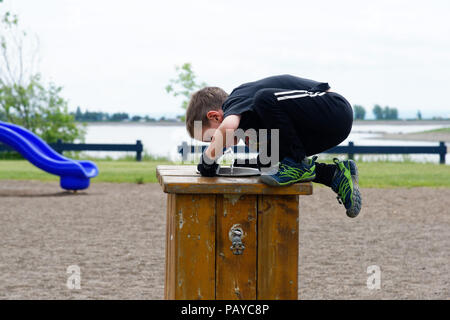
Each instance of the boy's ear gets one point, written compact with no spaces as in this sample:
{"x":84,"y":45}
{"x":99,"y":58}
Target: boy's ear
{"x":215,"y":115}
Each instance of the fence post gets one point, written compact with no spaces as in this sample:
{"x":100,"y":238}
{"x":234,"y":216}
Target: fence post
{"x":442,"y":152}
{"x":185,"y":150}
{"x":59,"y":147}
{"x":351,"y":151}
{"x":139,"y":149}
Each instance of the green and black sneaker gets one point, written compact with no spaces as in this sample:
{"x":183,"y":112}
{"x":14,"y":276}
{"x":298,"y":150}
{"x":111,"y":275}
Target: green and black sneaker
{"x":345,"y":184}
{"x":290,"y":172}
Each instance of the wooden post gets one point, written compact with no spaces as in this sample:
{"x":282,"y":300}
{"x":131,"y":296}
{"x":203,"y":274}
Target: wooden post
{"x":139,"y":149}
{"x":351,"y":151}
{"x":443,"y":151}
{"x":184,"y":151}
{"x":58,"y":146}
{"x":230,"y":238}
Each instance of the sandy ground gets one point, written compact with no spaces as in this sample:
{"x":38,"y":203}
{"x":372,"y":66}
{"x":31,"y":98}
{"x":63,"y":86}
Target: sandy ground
{"x":115,"y":234}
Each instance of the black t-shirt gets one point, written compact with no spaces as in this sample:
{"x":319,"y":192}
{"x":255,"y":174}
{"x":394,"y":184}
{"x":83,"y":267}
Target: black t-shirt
{"x":240,"y":101}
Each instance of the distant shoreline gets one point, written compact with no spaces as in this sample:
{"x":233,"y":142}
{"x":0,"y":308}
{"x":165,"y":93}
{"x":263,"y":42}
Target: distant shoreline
{"x":356,"y":122}
{"x":133,"y":123}
{"x":401,"y":122}
{"x":417,"y":136}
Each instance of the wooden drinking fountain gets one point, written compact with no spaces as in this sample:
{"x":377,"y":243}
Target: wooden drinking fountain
{"x":230,"y":237}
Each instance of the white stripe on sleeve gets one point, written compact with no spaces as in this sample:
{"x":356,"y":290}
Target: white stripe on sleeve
{"x":307,"y":94}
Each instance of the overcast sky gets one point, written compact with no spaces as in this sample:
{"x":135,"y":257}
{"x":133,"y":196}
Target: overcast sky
{"x":119,"y":55}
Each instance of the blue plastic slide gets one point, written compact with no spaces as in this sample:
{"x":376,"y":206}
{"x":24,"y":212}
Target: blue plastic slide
{"x":75,"y":175}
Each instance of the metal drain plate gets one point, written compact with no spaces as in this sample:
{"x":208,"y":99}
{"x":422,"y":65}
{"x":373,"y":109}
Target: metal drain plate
{"x":237,"y":172}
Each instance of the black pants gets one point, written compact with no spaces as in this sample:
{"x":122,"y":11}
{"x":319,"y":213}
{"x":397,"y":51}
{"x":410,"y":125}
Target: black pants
{"x":308,"y":122}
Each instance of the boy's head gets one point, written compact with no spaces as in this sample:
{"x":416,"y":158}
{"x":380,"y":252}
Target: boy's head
{"x":205,"y":106}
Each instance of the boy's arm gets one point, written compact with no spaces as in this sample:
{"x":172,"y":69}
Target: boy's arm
{"x":219,"y":140}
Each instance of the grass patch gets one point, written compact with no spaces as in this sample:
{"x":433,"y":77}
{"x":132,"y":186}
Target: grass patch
{"x":79,"y":155}
{"x":440,"y":130}
{"x":403,"y":174}
{"x":382,"y":174}
{"x":110,"y":171}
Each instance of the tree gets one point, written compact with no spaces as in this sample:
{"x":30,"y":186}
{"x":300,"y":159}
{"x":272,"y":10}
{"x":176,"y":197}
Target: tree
{"x":419,"y":115}
{"x":120,"y":116}
{"x":2,"y":115}
{"x":393,"y":114}
{"x":359,"y":112}
{"x":78,"y":114}
{"x":24,"y":98}
{"x":149,"y":119}
{"x":378,"y":112}
{"x":390,"y":113}
{"x":385,"y":113}
{"x":184,"y":84}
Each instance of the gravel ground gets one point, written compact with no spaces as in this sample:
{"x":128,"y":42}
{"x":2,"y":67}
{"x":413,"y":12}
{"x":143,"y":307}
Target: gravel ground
{"x":115,"y":234}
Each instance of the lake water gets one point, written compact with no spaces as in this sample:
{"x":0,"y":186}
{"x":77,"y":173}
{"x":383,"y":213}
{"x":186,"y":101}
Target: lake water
{"x":163,"y":140}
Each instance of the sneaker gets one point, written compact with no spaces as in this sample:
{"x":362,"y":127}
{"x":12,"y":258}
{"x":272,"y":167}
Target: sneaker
{"x":345,"y":184}
{"x":290,"y":172}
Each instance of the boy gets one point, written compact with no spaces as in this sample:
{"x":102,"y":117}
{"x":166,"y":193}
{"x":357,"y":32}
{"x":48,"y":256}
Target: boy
{"x":310,"y":119}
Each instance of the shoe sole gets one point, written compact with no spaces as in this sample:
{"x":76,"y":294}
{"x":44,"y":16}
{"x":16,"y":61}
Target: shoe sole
{"x":354,"y":210}
{"x":267,"y":179}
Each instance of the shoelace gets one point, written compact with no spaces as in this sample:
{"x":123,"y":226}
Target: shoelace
{"x":291,"y":172}
{"x":344,"y":189}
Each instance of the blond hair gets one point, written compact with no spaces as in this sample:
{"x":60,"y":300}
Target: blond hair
{"x":202,"y":101}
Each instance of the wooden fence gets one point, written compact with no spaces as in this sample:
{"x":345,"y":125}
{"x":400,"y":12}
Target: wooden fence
{"x":351,"y":149}
{"x":60,"y":147}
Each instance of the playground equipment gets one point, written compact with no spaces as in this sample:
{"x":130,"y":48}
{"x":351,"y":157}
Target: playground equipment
{"x":74,"y":175}
{"x":230,"y":237}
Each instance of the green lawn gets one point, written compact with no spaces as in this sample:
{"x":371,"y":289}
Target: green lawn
{"x":403,"y":174}
{"x":110,"y":171}
{"x":372,"y":174}
{"x":440,"y":130}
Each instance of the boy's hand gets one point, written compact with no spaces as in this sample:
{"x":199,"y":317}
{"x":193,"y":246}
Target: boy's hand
{"x":207,"y":167}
